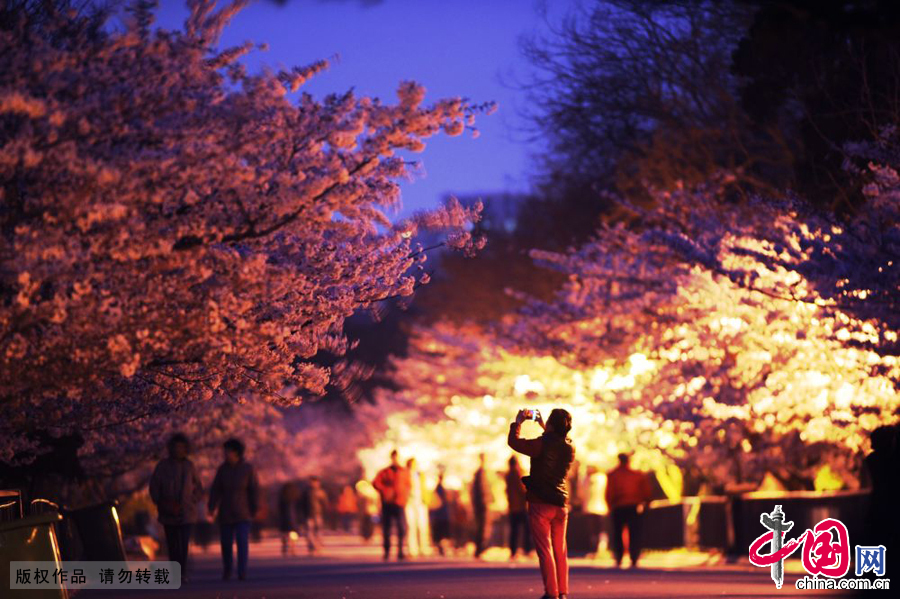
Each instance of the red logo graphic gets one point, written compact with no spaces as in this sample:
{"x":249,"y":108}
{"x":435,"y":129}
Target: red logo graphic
{"x":826,"y":549}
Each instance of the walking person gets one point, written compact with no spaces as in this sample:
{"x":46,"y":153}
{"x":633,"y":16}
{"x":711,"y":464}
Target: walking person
{"x":440,"y":516}
{"x":628,"y":496}
{"x":347,"y":508}
{"x":416,"y":512}
{"x":881,"y":525}
{"x":367,"y":504}
{"x":480,"y":493}
{"x":175,"y":489}
{"x":234,"y":498}
{"x":392,"y":485}
{"x":316,"y":501}
{"x":518,"y":509}
{"x":288,"y":497}
{"x":594,"y":500}
{"x":548,"y":514}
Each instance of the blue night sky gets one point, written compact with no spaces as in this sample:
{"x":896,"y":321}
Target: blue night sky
{"x":453,"y":47}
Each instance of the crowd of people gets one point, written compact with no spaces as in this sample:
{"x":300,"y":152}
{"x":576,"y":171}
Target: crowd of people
{"x":538,"y":504}
{"x":416,"y":519}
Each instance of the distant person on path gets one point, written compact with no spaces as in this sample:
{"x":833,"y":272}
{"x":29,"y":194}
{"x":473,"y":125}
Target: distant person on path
{"x":367,"y":503}
{"x":518,"y":509}
{"x":440,"y":515}
{"x":880,"y":473}
{"x":234,"y":497}
{"x":459,"y":520}
{"x":548,"y":514}
{"x":416,"y":512}
{"x":393,"y":484}
{"x":594,"y":501}
{"x":175,"y":489}
{"x":628,"y":496}
{"x":316,"y":501}
{"x":480,"y":495}
{"x":347,"y":508}
{"x":288,"y":497}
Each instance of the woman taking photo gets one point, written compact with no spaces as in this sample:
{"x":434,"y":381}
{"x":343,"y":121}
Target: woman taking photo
{"x":548,"y":514}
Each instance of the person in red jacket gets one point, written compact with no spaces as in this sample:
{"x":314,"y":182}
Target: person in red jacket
{"x":628,"y":495}
{"x":393,"y":484}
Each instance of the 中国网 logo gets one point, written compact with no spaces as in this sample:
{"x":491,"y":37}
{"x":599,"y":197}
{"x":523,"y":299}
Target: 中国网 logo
{"x":825,"y":552}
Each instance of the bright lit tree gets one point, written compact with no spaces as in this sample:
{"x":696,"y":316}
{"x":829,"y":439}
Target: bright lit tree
{"x":734,"y":340}
{"x":460,"y":389}
{"x":770,"y":328}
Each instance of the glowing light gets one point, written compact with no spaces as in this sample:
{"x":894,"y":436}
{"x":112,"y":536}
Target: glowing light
{"x":828,"y":480}
{"x":525,"y":385}
{"x":639,"y":364}
{"x":844,"y":396}
{"x":598,"y":379}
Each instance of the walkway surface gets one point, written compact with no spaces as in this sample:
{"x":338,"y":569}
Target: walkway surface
{"x":348,"y":569}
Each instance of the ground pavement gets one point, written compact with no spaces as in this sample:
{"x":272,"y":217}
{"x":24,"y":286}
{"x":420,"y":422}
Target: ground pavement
{"x":348,"y":569}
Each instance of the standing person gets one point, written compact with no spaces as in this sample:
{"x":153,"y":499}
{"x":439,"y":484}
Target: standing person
{"x":234,"y":497}
{"x":440,"y":515}
{"x":594,"y":501}
{"x":518,"y":510}
{"x":288,"y":498}
{"x":316,"y":501}
{"x":416,"y":512}
{"x":459,"y":520}
{"x":880,"y":475}
{"x":628,"y":496}
{"x":347,"y":507}
{"x":480,"y":493}
{"x":175,"y":489}
{"x":393,"y":484}
{"x":548,"y":515}
{"x":367,"y":504}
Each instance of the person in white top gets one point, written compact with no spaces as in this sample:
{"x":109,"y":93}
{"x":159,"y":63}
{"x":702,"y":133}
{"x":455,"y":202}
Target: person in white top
{"x":417,"y":513}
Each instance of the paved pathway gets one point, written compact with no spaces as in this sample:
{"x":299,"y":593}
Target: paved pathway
{"x":351,"y":570}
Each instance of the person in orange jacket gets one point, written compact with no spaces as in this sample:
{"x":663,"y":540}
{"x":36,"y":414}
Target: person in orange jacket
{"x":393,"y":484}
{"x":628,"y":495}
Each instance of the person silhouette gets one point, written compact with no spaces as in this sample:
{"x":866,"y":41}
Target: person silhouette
{"x":393,"y":484}
{"x":628,"y":495}
{"x":880,"y":474}
{"x":547,"y":494}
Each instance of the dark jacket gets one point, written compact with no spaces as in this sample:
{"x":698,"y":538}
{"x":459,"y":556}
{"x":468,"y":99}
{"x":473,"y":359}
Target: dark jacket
{"x":551,"y":455}
{"x":175,"y":489}
{"x":235,"y":491}
{"x":515,"y":491}
{"x":479,"y":491}
{"x":288,"y":500}
{"x":315,"y":502}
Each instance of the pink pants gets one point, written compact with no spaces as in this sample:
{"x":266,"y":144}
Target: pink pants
{"x":548,"y":528}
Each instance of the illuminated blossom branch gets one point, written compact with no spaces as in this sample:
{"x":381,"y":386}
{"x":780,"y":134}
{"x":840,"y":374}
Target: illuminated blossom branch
{"x":177,"y":229}
{"x":733,"y":340}
{"x":770,"y":331}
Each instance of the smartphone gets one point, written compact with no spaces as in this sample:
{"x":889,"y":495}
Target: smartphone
{"x":532,"y":414}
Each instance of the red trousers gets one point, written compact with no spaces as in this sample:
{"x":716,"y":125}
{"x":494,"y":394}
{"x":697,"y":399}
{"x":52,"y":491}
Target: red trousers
{"x":548,"y":528}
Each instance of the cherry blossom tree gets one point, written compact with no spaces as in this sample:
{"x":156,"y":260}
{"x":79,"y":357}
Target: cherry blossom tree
{"x":770,"y":328}
{"x":734,"y":340}
{"x":175,"y":229}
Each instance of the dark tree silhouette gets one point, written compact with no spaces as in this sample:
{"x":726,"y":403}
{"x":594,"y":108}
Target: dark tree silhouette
{"x":631,"y":93}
